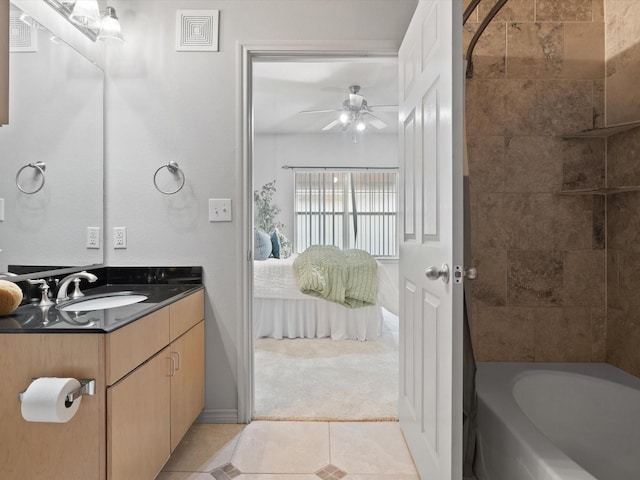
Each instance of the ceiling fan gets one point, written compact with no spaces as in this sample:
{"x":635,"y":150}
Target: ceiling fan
{"x":355,"y":112}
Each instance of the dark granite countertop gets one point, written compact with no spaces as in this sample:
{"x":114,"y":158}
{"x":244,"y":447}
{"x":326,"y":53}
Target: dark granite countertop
{"x":34,"y":319}
{"x":161,"y":285}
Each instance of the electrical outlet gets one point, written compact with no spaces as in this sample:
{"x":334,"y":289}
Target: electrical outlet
{"x":119,"y":237}
{"x":219,"y":209}
{"x":93,"y":237}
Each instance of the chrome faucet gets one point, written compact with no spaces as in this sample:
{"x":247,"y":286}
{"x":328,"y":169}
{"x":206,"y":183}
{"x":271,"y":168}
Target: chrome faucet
{"x":74,"y":277}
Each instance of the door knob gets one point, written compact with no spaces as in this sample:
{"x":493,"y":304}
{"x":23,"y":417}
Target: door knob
{"x":435,"y":273}
{"x":460,"y":273}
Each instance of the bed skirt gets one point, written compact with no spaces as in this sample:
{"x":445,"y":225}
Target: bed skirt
{"x":314,"y":318}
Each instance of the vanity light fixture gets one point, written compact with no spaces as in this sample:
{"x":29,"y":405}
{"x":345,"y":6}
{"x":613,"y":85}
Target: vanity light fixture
{"x":86,"y":13}
{"x":85,"y":16}
{"x":110,"y":26}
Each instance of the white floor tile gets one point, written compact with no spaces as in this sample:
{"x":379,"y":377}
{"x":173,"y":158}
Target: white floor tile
{"x":370,"y":448}
{"x":382,"y":477}
{"x":282,"y":447}
{"x":183,"y":476}
{"x":204,"y":448}
{"x":279,"y":476}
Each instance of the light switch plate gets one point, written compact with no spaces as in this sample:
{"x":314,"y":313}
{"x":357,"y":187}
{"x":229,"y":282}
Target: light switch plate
{"x":1,"y":209}
{"x":219,"y":209}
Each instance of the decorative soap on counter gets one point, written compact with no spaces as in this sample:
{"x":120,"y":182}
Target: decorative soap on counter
{"x":10,"y":297}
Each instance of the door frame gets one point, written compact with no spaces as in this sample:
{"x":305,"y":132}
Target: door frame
{"x":247,"y":53}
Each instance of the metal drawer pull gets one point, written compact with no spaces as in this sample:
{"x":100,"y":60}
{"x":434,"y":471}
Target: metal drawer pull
{"x":173,"y":366}
{"x":179,"y":360}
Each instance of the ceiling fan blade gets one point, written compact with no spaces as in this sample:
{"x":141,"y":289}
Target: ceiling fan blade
{"x":375,"y":121}
{"x":384,"y":108}
{"x":319,"y":111}
{"x":331,"y":125}
{"x":355,"y":100}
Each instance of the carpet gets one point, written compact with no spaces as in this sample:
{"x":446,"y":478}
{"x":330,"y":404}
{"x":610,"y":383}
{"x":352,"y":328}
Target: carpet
{"x":328,"y":380}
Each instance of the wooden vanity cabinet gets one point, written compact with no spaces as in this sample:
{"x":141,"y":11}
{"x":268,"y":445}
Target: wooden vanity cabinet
{"x":4,"y":62}
{"x":149,"y":389}
{"x":151,"y":407}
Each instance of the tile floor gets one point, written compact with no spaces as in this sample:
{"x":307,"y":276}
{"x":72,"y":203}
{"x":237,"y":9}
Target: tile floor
{"x":292,"y":451}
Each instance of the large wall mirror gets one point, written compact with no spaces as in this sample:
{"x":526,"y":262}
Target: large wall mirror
{"x":51,"y":188}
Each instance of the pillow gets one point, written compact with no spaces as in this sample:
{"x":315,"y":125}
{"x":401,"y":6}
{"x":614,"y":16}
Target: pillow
{"x":280,"y":245}
{"x":261,"y":245}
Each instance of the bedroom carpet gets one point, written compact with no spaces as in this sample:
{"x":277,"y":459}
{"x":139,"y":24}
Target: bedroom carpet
{"x":328,"y":380}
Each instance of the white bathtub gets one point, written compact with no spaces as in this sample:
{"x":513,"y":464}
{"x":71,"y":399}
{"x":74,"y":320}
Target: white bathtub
{"x":557,"y":421}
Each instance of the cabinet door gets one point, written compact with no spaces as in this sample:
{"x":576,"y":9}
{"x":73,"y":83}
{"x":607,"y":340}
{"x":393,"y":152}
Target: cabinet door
{"x":187,"y":385}
{"x":138,"y":428}
{"x":4,"y":62}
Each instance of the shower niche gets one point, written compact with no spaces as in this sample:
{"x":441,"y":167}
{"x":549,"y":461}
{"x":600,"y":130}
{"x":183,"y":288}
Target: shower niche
{"x":617,"y":172}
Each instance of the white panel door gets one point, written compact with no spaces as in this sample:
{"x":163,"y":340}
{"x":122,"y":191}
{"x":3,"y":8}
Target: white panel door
{"x":431,"y":311}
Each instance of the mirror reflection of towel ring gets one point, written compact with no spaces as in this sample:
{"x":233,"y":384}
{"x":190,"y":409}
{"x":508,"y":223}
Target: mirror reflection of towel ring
{"x":173,"y":168}
{"x":40,"y":168}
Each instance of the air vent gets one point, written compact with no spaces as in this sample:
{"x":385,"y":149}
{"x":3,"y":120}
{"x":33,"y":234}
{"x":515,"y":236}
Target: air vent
{"x":197,"y":30}
{"x":22,"y":37}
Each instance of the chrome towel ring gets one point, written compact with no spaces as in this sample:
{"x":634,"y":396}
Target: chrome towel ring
{"x":40,"y":167}
{"x":174,"y":168}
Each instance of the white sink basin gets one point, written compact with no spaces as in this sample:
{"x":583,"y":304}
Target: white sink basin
{"x":101,"y":303}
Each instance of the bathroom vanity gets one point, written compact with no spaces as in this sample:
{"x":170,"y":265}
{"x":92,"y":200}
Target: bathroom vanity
{"x":148,"y":363}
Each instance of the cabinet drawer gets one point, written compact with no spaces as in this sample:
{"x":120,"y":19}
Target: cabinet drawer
{"x":131,"y":345}
{"x":186,"y":313}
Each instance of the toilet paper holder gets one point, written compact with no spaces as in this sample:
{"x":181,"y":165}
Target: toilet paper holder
{"x":87,"y":387}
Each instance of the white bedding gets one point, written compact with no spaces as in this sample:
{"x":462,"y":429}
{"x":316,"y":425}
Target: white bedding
{"x":281,"y":310}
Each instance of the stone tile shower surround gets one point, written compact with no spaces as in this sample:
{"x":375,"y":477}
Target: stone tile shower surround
{"x":623,"y":168}
{"x":539,"y":73}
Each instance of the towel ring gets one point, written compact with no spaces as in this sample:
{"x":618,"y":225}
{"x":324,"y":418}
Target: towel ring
{"x":40,"y":168}
{"x":173,"y":168}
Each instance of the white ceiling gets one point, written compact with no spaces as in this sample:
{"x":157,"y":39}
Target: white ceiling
{"x":282,"y":88}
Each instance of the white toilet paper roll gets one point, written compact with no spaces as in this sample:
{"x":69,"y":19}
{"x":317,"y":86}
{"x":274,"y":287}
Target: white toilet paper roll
{"x":44,"y":400}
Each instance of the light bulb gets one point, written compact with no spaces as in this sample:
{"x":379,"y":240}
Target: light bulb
{"x":360,"y":126}
{"x":344,"y":118}
{"x":110,"y":27}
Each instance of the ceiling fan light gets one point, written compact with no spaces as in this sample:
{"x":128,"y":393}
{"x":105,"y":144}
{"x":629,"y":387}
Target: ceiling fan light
{"x":344,"y":117}
{"x":360,"y":126}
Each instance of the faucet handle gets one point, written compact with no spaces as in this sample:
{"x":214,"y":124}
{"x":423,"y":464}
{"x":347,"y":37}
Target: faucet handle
{"x":76,"y":289}
{"x":45,"y":301}
{"x":44,"y":291}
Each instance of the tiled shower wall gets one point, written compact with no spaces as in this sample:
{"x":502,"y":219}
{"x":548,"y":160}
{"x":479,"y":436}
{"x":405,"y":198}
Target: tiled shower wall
{"x":541,"y":258}
{"x":623,"y":168}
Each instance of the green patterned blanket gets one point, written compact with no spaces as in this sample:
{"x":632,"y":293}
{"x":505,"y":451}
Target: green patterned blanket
{"x":347,"y":277}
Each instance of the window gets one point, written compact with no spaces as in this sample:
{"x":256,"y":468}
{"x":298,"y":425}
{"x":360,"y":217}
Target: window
{"x":347,"y":209}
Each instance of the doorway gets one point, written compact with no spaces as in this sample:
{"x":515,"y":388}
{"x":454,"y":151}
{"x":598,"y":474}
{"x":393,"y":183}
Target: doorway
{"x":317,"y":378}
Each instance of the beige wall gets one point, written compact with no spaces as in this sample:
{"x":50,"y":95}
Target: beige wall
{"x":539,"y":73}
{"x":623,"y":168}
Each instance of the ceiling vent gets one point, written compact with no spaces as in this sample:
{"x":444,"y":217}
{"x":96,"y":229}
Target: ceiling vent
{"x":22,"y":36}
{"x":197,"y":30}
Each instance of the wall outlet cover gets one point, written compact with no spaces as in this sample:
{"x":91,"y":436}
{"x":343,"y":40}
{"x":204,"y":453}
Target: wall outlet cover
{"x":119,"y":237}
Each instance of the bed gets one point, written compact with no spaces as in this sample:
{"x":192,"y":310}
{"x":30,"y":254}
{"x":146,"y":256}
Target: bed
{"x":281,"y":310}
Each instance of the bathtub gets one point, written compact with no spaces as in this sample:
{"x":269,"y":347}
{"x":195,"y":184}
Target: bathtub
{"x":557,"y":421}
